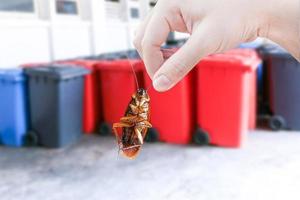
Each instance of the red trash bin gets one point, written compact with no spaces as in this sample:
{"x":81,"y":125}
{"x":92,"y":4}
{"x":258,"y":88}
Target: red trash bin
{"x":250,"y":53}
{"x":225,"y":85}
{"x":172,"y":112}
{"x":117,"y":86}
{"x":92,"y":98}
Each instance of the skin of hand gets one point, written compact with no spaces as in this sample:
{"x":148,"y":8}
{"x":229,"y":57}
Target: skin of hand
{"x":214,"y":27}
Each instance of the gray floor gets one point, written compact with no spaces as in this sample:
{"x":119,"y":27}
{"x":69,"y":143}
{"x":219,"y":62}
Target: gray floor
{"x":267,"y":167}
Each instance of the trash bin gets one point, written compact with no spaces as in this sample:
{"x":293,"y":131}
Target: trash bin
{"x":256,"y":84}
{"x":91,"y":99}
{"x":55,"y":94}
{"x":224,"y":88}
{"x":284,"y":94}
{"x":128,"y":54}
{"x":13,"y":107}
{"x":261,"y":108}
{"x":172,"y":112}
{"x":116,"y":88}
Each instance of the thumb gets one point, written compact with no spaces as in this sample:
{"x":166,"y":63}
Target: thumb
{"x":204,"y":40}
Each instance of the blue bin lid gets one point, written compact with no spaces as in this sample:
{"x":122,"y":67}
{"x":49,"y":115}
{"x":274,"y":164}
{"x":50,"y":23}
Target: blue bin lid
{"x":14,"y":75}
{"x":58,"y":71}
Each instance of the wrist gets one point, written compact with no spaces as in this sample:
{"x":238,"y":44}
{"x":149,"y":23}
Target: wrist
{"x":281,"y":24}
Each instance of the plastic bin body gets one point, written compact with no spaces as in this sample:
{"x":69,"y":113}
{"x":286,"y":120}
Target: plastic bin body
{"x":13,"y":107}
{"x":117,"y":86}
{"x":261,"y":109}
{"x":284,"y":93}
{"x":224,"y":96}
{"x":56,"y":104}
{"x":172,"y":112}
{"x":256,"y":83}
{"x":91,"y":97}
{"x":253,"y":80}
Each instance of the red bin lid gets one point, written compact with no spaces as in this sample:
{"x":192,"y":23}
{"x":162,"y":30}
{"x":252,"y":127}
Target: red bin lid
{"x":121,"y":65}
{"x":241,"y":59}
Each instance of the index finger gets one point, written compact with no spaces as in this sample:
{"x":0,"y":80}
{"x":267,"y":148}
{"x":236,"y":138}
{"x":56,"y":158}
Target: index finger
{"x":155,"y":35}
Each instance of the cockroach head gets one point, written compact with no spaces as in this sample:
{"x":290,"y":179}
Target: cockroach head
{"x":141,"y":93}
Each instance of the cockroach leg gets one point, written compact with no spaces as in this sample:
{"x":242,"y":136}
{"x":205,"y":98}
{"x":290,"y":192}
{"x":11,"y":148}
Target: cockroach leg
{"x":147,"y":124}
{"x":134,"y":108}
{"x":119,"y":125}
{"x":131,"y":147}
{"x":128,"y":119}
{"x":137,"y":102}
{"x":144,"y":101}
{"x":139,"y":135}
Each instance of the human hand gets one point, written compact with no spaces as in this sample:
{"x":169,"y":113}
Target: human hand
{"x":214,"y":26}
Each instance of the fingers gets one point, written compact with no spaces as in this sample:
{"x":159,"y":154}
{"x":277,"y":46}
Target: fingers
{"x":156,"y":34}
{"x":139,"y":34}
{"x":205,"y":40}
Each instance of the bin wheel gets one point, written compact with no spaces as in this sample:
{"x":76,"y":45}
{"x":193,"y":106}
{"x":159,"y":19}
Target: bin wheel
{"x":277,"y":123}
{"x":31,"y":139}
{"x":105,"y":129}
{"x":201,"y":137}
{"x":152,"y":135}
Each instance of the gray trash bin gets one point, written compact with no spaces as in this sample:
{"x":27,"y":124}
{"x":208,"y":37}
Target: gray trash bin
{"x":56,"y":94}
{"x":284,"y":88}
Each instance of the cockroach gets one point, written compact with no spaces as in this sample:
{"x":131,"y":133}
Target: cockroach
{"x":134,"y":124}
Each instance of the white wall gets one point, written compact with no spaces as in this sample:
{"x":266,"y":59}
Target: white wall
{"x":23,"y":41}
{"x":44,"y":35}
{"x":70,"y":39}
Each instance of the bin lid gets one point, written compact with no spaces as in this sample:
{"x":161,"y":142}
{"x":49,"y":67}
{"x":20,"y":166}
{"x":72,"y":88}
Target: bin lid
{"x":14,"y":75}
{"x":256,"y":44}
{"x":58,"y":71}
{"x":122,"y":65}
{"x":274,"y":51}
{"x":105,"y":56}
{"x":88,"y":64}
{"x":241,"y":59}
{"x":129,"y":54}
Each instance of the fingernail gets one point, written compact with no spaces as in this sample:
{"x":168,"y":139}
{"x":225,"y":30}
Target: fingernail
{"x":161,"y":83}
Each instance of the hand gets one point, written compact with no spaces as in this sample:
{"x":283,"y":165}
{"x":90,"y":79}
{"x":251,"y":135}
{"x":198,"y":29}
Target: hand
{"x":214,"y":26}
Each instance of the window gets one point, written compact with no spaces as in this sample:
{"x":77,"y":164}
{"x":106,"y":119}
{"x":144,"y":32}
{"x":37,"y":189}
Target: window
{"x":152,"y":3}
{"x":23,"y":6}
{"x":113,"y":0}
{"x":66,"y":7}
{"x":134,"y":13}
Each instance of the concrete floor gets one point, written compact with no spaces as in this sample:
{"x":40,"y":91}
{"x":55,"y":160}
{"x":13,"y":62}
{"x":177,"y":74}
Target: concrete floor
{"x":267,"y":167}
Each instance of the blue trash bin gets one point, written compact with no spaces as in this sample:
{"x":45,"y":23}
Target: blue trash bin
{"x":284,"y":83}
{"x":13,"y":107}
{"x":56,"y":103}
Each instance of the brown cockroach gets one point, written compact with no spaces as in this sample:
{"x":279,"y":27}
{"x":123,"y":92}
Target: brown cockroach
{"x":134,"y":124}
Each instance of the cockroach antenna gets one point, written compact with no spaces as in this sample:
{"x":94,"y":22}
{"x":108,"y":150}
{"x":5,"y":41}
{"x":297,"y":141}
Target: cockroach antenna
{"x":134,"y":73}
{"x":149,"y":87}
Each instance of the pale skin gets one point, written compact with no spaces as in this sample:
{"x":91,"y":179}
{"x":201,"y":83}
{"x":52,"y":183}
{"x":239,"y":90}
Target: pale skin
{"x":214,"y":27}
